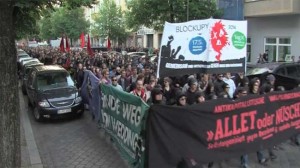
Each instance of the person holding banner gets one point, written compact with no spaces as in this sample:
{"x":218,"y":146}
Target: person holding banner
{"x":181,"y":99}
{"x":254,"y":89}
{"x":210,"y":92}
{"x":191,"y":92}
{"x":169,"y":91}
{"x":157,"y":95}
{"x":218,"y":84}
{"x":200,"y":97}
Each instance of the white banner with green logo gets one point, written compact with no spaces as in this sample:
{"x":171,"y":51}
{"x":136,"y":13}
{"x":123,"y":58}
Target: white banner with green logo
{"x":124,"y":118}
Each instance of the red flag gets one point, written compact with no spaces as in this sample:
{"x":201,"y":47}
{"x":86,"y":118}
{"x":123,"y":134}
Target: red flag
{"x":108,"y":44}
{"x":82,"y":40}
{"x":89,"y":49}
{"x":62,"y":45}
{"x":67,"y":45}
{"x":67,"y":64}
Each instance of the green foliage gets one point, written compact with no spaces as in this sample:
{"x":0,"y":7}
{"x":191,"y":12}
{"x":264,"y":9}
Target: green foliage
{"x":63,"y":21}
{"x":154,"y":13}
{"x":45,"y":27}
{"x":109,"y":21}
{"x":28,"y":12}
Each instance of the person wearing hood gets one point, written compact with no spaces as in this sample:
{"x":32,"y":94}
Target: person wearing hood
{"x":181,"y":99}
{"x":191,"y":92}
{"x":157,"y":95}
{"x":269,"y":84}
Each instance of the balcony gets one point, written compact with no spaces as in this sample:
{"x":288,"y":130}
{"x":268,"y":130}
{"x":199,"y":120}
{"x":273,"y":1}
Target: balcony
{"x":260,"y":8}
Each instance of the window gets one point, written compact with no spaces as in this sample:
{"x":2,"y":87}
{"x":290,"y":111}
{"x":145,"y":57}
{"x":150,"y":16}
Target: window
{"x":292,"y":71}
{"x":150,"y":40}
{"x":52,"y":80}
{"x":277,"y":48}
{"x":281,"y":71}
{"x":248,"y":49}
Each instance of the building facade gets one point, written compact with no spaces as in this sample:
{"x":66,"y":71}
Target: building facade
{"x":273,"y":27}
{"x":90,"y":12}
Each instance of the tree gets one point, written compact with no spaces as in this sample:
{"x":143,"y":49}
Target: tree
{"x":10,"y":13}
{"x":64,"y":21}
{"x":156,"y":12}
{"x":109,"y":21}
{"x":45,"y":27}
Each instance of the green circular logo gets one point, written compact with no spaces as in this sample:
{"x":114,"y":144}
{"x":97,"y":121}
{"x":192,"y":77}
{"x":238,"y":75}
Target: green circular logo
{"x":239,"y":40}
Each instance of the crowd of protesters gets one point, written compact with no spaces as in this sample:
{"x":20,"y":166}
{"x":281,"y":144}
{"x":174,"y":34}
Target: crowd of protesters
{"x":138,"y":76}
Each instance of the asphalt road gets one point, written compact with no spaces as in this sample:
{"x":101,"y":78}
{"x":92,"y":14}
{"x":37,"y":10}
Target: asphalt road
{"x":73,"y":142}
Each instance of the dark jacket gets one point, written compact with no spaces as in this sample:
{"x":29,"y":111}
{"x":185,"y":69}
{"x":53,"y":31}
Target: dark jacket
{"x":79,"y":77}
{"x":191,"y":97}
{"x":219,"y":86}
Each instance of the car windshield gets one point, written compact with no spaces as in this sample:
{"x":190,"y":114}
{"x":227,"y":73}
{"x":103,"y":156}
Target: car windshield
{"x":53,"y":80}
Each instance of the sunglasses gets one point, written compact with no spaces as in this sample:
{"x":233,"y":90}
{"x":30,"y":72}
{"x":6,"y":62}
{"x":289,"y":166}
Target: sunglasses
{"x":114,"y":79}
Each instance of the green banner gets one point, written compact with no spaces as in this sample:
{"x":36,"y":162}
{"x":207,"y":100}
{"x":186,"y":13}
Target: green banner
{"x":124,"y":117}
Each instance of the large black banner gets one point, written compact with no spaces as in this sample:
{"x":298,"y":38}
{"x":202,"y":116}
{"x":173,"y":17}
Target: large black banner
{"x":221,"y":129}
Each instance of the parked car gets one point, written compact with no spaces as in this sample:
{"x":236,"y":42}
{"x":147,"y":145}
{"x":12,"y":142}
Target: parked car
{"x":32,"y":60}
{"x":22,"y":57}
{"x":24,"y":75}
{"x":52,"y":93}
{"x":20,"y":51}
{"x":286,"y":74}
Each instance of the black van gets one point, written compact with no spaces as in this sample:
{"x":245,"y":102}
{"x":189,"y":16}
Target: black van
{"x":52,"y":92}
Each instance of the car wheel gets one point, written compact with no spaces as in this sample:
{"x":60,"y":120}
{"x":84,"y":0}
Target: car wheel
{"x":37,"y":116}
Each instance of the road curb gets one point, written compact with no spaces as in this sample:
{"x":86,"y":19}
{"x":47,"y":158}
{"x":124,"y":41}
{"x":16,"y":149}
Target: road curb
{"x":34,"y":155}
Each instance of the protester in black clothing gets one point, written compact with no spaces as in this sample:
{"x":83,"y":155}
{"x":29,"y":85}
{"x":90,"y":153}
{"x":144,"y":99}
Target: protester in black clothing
{"x":267,"y":86}
{"x":169,"y":91}
{"x":241,"y":80}
{"x":210,"y":92}
{"x":192,"y":90}
{"x":218,"y":84}
{"x":181,"y":99}
{"x":79,"y":76}
{"x":157,"y":95}
{"x":225,"y":92}
{"x":147,"y":74}
{"x":240,"y":92}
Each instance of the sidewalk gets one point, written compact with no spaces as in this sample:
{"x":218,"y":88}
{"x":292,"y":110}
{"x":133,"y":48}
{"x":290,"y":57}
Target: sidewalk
{"x":30,"y":157}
